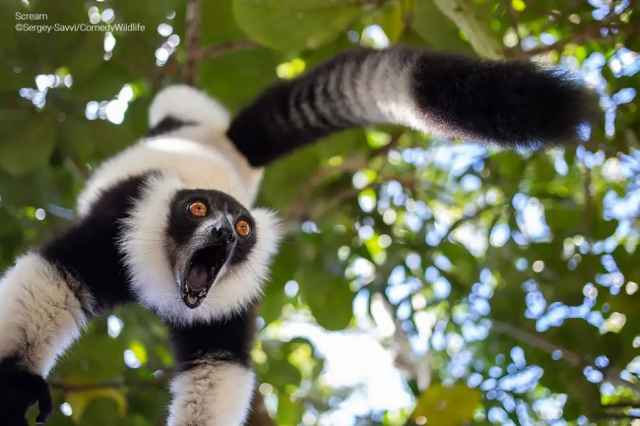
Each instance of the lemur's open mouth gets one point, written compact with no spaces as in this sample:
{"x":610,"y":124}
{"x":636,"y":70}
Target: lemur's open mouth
{"x":201,"y":272}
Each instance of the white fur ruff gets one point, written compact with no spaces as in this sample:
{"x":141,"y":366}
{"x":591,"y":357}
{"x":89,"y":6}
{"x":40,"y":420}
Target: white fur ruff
{"x":214,"y":393}
{"x":39,"y":314}
{"x":152,"y":277}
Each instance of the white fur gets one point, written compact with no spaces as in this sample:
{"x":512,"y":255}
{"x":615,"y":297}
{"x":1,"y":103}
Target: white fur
{"x":213,"y":393}
{"x":152,"y":278}
{"x":196,"y":164}
{"x":40,"y":316}
{"x":200,"y":155}
{"x":394,"y":101}
{"x":188,"y":104}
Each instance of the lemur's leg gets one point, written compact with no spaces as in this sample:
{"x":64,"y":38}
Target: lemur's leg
{"x":42,"y":312}
{"x":214,"y":384}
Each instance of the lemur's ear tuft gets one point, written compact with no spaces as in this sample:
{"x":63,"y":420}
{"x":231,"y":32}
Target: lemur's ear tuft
{"x":511,"y":103}
{"x":186,"y":104}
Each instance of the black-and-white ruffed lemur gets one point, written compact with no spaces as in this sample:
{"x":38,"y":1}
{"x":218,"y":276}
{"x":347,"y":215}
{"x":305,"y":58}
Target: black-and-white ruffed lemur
{"x":169,"y":222}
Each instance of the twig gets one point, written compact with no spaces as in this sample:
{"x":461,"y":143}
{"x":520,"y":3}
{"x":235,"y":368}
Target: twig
{"x":574,"y":359}
{"x":591,"y":31}
{"x":192,"y":40}
{"x":588,"y":201}
{"x":160,"y":377}
{"x":416,"y":366}
{"x":469,"y":217}
{"x":613,"y":416}
{"x":219,"y":49}
{"x":110,"y":384}
{"x":623,"y":404}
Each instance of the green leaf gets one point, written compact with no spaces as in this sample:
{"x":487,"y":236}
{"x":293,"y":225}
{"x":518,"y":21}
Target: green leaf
{"x":391,"y":19}
{"x":289,"y":411}
{"x":296,"y":170}
{"x":320,"y":290}
{"x":81,"y":400}
{"x":76,"y":141}
{"x":447,"y":406}
{"x":334,"y":293}
{"x":218,"y":23}
{"x":292,"y":25}
{"x":283,"y":269}
{"x":30,"y":148}
{"x":466,"y":17}
{"x":563,"y":218}
{"x":436,"y":29}
{"x":238,"y":77}
{"x":465,"y":266}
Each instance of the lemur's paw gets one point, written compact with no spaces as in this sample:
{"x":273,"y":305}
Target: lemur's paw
{"x":19,"y":390}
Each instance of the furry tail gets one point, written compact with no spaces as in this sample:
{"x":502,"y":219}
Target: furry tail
{"x":510,"y":103}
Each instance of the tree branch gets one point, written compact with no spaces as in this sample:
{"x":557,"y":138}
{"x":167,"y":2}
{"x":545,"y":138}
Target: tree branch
{"x":592,"y":31}
{"x":259,"y":415}
{"x":612,"y":374}
{"x":192,"y":40}
{"x":66,"y":387}
{"x":572,"y":358}
{"x":219,"y":49}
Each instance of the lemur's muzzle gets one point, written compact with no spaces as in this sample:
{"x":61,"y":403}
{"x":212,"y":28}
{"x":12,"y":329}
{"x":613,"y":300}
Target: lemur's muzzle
{"x":206,"y":263}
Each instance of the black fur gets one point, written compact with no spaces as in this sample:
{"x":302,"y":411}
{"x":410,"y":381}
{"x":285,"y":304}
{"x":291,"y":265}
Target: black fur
{"x":505,"y":102}
{"x":228,"y":339}
{"x":512,"y":103}
{"x":265,"y":130}
{"x":168,"y":124}
{"x":20,"y":389}
{"x":89,"y":250}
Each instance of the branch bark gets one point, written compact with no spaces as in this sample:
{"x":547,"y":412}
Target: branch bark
{"x":259,"y":415}
{"x":592,"y":31}
{"x":192,"y":40}
{"x":219,"y":49}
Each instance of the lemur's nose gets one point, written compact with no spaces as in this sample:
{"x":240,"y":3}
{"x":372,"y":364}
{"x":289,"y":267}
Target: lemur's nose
{"x":224,"y":235}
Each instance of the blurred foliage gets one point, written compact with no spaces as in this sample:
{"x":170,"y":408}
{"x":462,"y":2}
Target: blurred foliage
{"x":511,"y":278}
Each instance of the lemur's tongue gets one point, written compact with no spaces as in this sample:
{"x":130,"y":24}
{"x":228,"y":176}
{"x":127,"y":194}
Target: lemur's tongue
{"x":204,"y":267}
{"x":197,"y":284}
{"x":199,"y":277}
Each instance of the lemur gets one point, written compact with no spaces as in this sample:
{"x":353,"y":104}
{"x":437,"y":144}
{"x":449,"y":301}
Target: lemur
{"x":169,"y":223}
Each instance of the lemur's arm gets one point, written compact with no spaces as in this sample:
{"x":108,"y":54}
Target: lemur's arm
{"x":214,"y":384}
{"x":507,"y":102}
{"x":50,"y":294}
{"x":40,"y":315}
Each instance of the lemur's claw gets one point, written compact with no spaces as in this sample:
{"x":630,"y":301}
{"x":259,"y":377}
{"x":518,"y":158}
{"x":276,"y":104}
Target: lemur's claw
{"x":19,"y":390}
{"x":44,"y":403}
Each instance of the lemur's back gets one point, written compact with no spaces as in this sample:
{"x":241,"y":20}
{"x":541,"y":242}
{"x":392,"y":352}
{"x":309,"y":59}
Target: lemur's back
{"x":193,"y":147}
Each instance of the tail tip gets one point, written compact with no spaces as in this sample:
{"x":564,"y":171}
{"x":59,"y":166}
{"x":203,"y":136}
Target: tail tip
{"x":511,"y":103}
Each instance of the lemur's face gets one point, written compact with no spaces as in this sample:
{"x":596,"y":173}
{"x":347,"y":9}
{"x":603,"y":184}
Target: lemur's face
{"x":209,"y":233}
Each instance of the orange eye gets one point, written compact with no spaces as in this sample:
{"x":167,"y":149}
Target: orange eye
{"x":198,"y":209}
{"x":243,"y":228}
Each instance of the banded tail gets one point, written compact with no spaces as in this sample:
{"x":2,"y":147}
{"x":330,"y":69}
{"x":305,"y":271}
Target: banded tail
{"x":509,"y":103}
